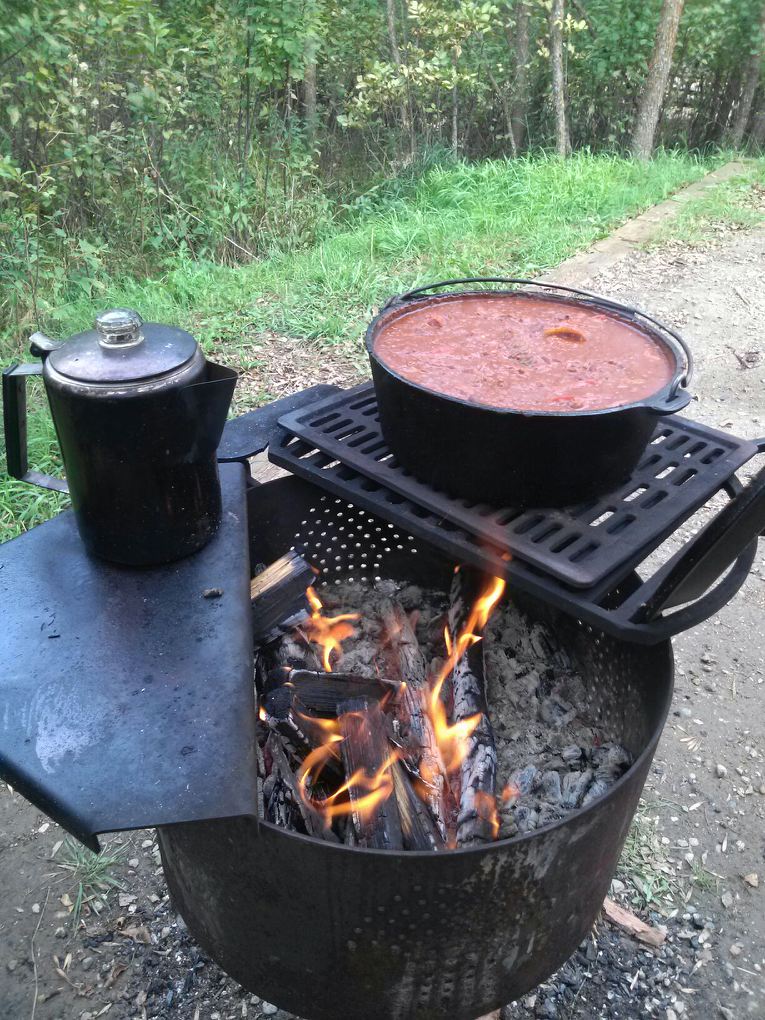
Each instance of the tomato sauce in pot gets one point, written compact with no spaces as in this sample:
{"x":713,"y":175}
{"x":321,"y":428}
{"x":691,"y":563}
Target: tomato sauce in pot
{"x":524,"y":353}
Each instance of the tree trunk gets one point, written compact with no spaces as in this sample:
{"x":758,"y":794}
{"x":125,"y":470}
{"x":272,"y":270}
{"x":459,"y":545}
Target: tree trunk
{"x":455,"y":109}
{"x":309,"y":94}
{"x":519,"y":109}
{"x":557,"y":15}
{"x":751,"y":81}
{"x":758,"y":120}
{"x":395,"y":52}
{"x":655,"y":85}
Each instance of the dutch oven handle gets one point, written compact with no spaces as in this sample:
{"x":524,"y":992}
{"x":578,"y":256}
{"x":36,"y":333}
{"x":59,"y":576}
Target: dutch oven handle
{"x":728,"y":541}
{"x":676,"y":397}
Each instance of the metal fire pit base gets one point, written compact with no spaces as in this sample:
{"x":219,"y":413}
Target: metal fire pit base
{"x":329,"y":931}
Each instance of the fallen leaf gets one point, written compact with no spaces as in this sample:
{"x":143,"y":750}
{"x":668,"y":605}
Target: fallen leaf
{"x":139,"y":933}
{"x":117,"y":969}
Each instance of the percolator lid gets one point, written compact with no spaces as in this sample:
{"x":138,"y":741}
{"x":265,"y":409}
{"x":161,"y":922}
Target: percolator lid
{"x":123,"y":349}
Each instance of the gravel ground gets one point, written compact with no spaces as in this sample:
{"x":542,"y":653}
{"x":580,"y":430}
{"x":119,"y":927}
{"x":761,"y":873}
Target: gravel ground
{"x":695,"y":861}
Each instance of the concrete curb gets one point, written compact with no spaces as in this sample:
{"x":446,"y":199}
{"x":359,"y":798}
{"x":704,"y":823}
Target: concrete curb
{"x":636,"y":232}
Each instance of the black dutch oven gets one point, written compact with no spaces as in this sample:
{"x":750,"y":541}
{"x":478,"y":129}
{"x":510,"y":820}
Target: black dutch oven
{"x":520,"y":458}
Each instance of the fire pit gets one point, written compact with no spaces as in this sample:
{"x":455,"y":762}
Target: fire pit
{"x":113,"y":719}
{"x":326,"y":930}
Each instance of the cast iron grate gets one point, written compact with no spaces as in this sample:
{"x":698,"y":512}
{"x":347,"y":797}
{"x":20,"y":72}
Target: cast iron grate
{"x":581,"y":546}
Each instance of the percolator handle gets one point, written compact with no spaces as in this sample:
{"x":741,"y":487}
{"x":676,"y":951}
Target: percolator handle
{"x":15,"y":428}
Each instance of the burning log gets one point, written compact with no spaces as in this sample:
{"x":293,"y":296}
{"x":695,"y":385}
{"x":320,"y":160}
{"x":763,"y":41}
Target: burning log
{"x":417,"y":826}
{"x":276,"y":713}
{"x":299,"y":733}
{"x":280,"y":806}
{"x":368,"y":760}
{"x":286,"y":796}
{"x":415,"y":728}
{"x":477,"y":821}
{"x":278,"y":596}
{"x":317,"y":691}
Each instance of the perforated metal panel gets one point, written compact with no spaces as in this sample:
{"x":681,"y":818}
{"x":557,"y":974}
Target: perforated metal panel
{"x":345,"y":542}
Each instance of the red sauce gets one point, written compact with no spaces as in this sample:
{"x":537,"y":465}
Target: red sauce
{"x":525,"y":353}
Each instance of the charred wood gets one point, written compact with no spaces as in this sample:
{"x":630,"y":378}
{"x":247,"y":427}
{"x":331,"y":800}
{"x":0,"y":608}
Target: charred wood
{"x":418,"y":829}
{"x":365,"y":748}
{"x":320,"y":692}
{"x":298,"y":732}
{"x":312,"y":820}
{"x":406,"y":663}
{"x":478,"y":770}
{"x":278,"y":595}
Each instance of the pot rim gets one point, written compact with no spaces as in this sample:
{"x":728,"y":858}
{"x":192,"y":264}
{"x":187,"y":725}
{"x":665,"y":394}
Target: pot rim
{"x":671,"y":397}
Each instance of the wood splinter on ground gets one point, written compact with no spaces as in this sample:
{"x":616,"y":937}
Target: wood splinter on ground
{"x":630,"y":923}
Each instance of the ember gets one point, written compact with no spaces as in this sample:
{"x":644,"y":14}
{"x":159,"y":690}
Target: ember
{"x":439,"y":697}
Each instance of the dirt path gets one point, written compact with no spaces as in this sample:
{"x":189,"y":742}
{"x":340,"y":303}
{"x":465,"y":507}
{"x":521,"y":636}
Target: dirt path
{"x":700,"y":833}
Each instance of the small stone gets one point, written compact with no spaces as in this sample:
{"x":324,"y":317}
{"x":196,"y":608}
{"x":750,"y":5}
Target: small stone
{"x":547,"y":1010}
{"x":752,"y":879}
{"x":125,"y":899}
{"x":721,"y":771}
{"x":11,"y":965}
{"x":671,"y":1014}
{"x":762,"y":788}
{"x":35,"y":908}
{"x":87,"y":963}
{"x":736,"y":949}
{"x":147,"y":843}
{"x":212,"y":593}
{"x":727,"y":899}
{"x":268,"y":1008}
{"x":727,"y":1014}
{"x":698,"y":922}
{"x":617,"y":886}
{"x":133,"y":862}
{"x":60,"y":933}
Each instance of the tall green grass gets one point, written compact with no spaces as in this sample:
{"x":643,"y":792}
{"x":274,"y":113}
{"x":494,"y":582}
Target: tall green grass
{"x":500,"y":217}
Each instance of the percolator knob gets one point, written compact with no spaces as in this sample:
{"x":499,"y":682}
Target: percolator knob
{"x":119,"y":327}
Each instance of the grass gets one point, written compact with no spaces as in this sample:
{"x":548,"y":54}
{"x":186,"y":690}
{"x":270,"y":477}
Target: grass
{"x":737,"y":204}
{"x":643,"y":865}
{"x":91,"y":873}
{"x":499,"y":217}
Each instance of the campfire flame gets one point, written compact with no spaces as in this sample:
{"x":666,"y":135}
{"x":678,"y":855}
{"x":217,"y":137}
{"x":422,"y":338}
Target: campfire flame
{"x":360,"y":794}
{"x":486,"y":805}
{"x":452,"y":738}
{"x":328,"y":632}
{"x":363,"y":792}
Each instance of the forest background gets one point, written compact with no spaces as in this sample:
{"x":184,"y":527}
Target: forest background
{"x":240,"y":165}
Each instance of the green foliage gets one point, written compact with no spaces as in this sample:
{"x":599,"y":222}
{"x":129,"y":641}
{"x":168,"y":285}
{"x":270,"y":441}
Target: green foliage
{"x":220,"y":149}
